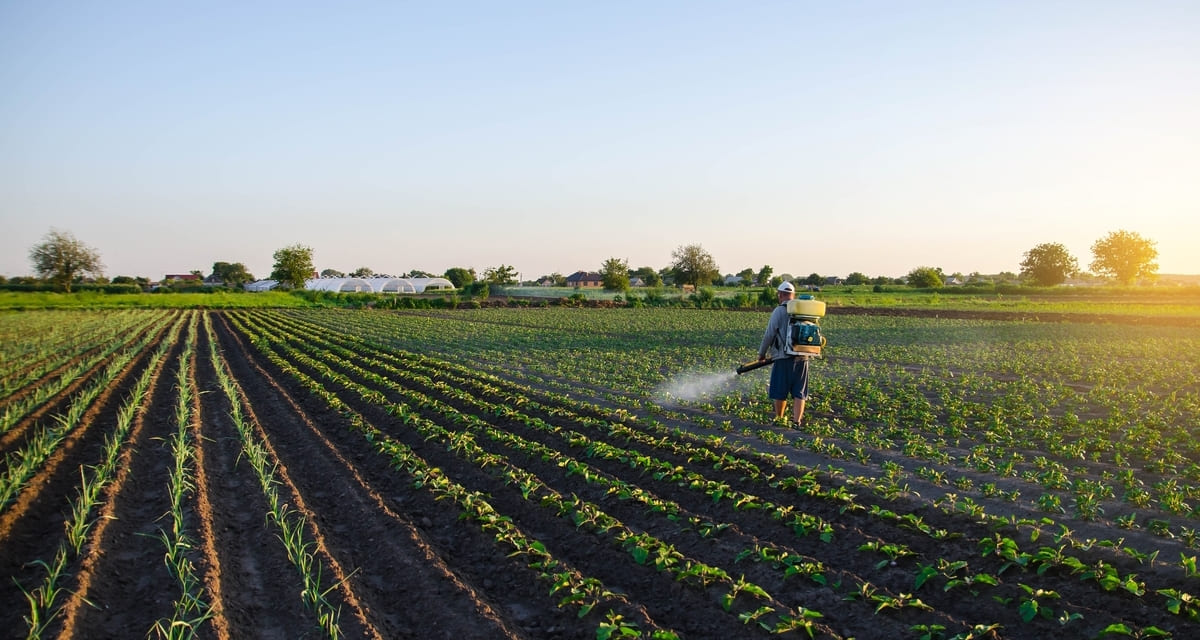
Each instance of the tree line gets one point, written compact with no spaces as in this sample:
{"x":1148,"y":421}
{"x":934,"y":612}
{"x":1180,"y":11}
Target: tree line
{"x":1123,"y":256}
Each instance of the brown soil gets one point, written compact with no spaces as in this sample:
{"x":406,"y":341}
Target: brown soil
{"x":399,"y":563}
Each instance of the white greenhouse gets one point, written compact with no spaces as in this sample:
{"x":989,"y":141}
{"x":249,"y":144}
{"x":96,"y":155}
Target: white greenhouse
{"x":431,"y":284}
{"x":260,"y":285}
{"x":391,"y":285}
{"x":342,"y":285}
{"x":364,"y":285}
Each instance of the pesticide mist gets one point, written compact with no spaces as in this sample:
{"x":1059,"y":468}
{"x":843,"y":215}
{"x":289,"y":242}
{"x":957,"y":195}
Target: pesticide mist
{"x":694,"y":386}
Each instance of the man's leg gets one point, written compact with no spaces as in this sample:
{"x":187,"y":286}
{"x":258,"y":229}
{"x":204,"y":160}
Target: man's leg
{"x":798,"y":410}
{"x":799,"y":389}
{"x":780,"y":408}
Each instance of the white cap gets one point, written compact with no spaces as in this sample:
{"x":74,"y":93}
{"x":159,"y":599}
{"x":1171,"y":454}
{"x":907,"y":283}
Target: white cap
{"x":787,"y":286}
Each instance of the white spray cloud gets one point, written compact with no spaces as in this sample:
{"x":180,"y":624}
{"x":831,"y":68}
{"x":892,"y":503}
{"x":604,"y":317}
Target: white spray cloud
{"x":695,"y":386}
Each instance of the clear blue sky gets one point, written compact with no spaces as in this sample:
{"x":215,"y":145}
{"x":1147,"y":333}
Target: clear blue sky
{"x":823,"y":137}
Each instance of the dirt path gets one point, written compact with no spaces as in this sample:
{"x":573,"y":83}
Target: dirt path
{"x":371,"y":519}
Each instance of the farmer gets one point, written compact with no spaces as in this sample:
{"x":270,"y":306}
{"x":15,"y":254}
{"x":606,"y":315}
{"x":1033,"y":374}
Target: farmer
{"x":789,"y":374}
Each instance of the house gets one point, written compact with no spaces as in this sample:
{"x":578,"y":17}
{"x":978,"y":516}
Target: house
{"x":546,"y":282}
{"x":636,"y":282}
{"x":181,"y":277}
{"x":585,"y":279}
{"x":732,"y":281}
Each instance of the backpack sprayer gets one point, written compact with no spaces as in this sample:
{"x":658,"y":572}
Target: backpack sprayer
{"x":804,"y":332}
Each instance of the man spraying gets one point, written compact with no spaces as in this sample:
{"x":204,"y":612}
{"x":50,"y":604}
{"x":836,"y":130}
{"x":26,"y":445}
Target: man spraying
{"x":789,"y":373}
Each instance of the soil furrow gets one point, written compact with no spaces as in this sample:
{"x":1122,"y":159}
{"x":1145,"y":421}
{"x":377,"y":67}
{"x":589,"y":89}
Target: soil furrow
{"x":378,"y":523}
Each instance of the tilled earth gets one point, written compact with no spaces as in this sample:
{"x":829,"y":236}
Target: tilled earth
{"x":395,"y":561}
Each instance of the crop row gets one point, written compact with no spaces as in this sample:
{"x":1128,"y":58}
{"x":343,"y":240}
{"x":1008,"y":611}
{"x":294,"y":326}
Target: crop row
{"x":1009,"y":555}
{"x":1026,"y":412}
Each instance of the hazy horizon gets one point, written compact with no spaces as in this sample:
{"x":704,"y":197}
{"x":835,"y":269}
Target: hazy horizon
{"x":829,"y":138}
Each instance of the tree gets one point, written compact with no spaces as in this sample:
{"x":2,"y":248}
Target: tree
{"x":362,"y":272}
{"x":1124,"y":255}
{"x":417,"y":273}
{"x":332,"y":273}
{"x":60,"y":258}
{"x":233,"y":274}
{"x":1049,"y":264}
{"x":615,"y":274}
{"x":460,"y":277}
{"x":502,"y":275}
{"x":857,"y":277}
{"x":814,"y":279}
{"x":649,"y":276}
{"x":293,"y":265}
{"x":746,"y":275}
{"x":693,"y":265}
{"x":764,"y":275}
{"x":925,"y":278}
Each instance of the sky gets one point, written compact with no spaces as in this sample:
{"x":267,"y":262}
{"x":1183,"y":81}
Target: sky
{"x":814,"y":137}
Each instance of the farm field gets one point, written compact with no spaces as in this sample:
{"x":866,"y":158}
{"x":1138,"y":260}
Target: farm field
{"x":592,"y":473}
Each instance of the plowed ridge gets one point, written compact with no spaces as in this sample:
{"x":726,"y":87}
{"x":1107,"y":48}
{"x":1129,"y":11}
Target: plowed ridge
{"x":272,"y":479}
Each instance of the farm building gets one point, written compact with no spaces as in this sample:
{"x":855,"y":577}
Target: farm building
{"x":585,"y":279}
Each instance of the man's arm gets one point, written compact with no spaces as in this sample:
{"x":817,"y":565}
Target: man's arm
{"x":770,"y":334}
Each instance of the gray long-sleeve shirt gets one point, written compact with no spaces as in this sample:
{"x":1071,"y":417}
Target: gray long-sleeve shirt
{"x":775,"y":338}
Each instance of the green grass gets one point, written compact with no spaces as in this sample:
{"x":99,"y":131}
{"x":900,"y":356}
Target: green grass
{"x":1158,"y":301}
{"x":20,"y":300}
{"x":1147,"y":301}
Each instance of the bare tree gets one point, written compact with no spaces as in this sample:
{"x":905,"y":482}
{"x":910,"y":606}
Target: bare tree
{"x":60,"y":258}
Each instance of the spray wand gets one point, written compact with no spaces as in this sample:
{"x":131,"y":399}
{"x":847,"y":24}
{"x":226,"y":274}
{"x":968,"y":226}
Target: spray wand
{"x":752,"y":365}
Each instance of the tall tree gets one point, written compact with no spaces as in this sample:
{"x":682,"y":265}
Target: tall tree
{"x":614,"y":273}
{"x":925,"y":278}
{"x":233,"y":274}
{"x":362,"y":272}
{"x":460,"y":277}
{"x":814,"y":279}
{"x":764,"y":275}
{"x":60,"y":258}
{"x":649,"y":276}
{"x":293,"y":265}
{"x":747,"y":276}
{"x":693,"y":265}
{"x":502,"y":275}
{"x":1124,"y":255}
{"x":857,"y":277}
{"x":332,"y":273}
{"x":1049,"y":264}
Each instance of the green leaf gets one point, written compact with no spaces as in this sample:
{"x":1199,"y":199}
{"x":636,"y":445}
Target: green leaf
{"x":1028,"y":610}
{"x":923,"y":574}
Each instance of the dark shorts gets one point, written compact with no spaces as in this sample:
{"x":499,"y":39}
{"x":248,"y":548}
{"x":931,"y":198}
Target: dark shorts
{"x":789,"y":376}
